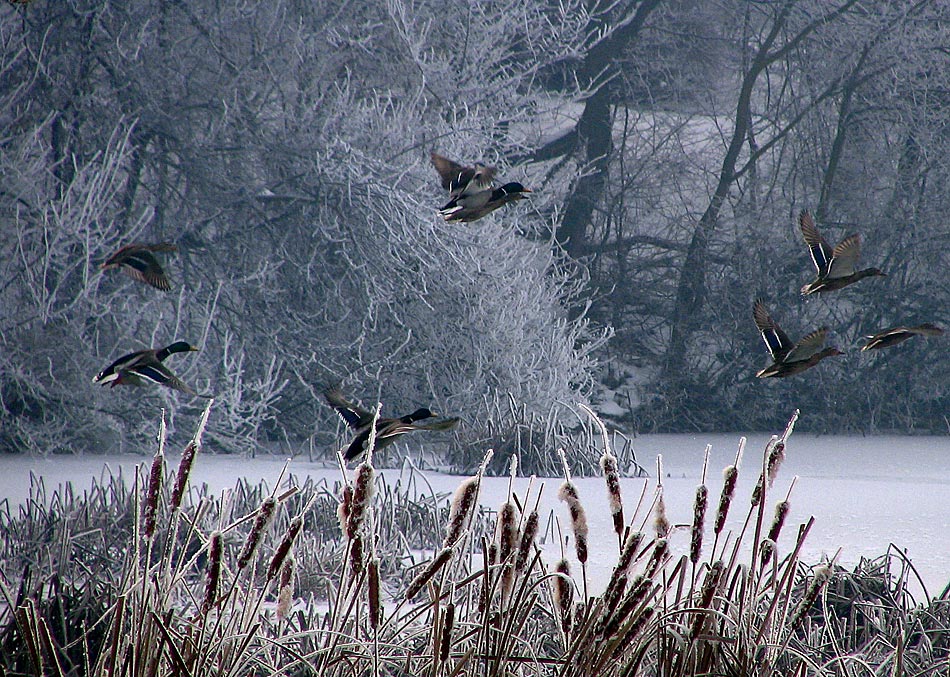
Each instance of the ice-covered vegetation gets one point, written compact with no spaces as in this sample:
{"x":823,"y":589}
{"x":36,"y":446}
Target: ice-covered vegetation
{"x":156,"y":577}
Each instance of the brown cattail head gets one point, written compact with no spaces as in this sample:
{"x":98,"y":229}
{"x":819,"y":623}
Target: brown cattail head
{"x":608,"y":463}
{"x":710,"y":585}
{"x":285,"y":589}
{"x":439,"y":561}
{"x":776,"y":456}
{"x":283,"y":550}
{"x":822,"y":576}
{"x":345,"y":506}
{"x":766,"y":550}
{"x":639,"y":587}
{"x":527,"y":540}
{"x":363,"y":489}
{"x":181,"y":477}
{"x":781,"y":512}
{"x":154,"y":488}
{"x":729,"y":476}
{"x":212,"y":573}
{"x":357,"y":556}
{"x":372,"y":591}
{"x":562,"y":589}
{"x":660,"y":549}
{"x":630,"y":546}
{"x":463,"y":503}
{"x":635,"y":629}
{"x":699,"y":523}
{"x":660,"y":522}
{"x":448,"y":621}
{"x":568,"y":494}
{"x":264,"y":515}
{"x":506,"y":531}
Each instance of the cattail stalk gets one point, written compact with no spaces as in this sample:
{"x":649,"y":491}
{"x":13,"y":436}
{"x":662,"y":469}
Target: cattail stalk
{"x":639,"y":588}
{"x":264,"y":515}
{"x":527,"y":540}
{"x":630,"y":546}
{"x":608,"y":464}
{"x":357,"y":556}
{"x":439,"y":561}
{"x":212,"y":573}
{"x":345,"y":506}
{"x":730,"y":475}
{"x":188,"y":459}
{"x":778,"y":521}
{"x":463,"y":504}
{"x":660,"y":549}
{"x":635,"y":629}
{"x":710,"y":585}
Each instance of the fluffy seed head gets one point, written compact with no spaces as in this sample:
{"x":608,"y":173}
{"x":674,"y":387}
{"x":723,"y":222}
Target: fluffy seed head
{"x":463,"y":503}
{"x":568,"y":494}
{"x":608,"y":463}
{"x":660,"y":522}
{"x":527,"y":540}
{"x":344,"y":507}
{"x":822,"y":576}
{"x":729,"y":475}
{"x":506,"y":530}
{"x":563,"y":592}
{"x":285,"y":589}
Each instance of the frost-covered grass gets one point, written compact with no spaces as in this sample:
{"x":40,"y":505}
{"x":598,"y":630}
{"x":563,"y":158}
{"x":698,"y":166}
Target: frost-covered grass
{"x":147,"y":575}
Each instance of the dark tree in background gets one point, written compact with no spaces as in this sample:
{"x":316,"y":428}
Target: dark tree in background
{"x":283,"y":147}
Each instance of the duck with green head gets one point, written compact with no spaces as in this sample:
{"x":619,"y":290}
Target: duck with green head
{"x":142,"y":366}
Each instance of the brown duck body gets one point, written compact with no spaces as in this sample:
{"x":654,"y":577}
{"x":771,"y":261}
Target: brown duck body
{"x":836,"y":267}
{"x":388,"y":430}
{"x":789,"y":358}
{"x":137,"y":261}
{"x":896,"y":335}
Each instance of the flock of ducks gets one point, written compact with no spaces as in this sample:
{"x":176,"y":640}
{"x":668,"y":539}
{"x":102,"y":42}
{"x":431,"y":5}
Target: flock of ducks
{"x":837,"y":268}
{"x":472,"y":195}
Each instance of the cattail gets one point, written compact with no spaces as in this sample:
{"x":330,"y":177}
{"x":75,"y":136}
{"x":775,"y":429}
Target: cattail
{"x":463,"y":503}
{"x":660,"y":522}
{"x":448,"y":621}
{"x":699,"y":520}
{"x":372,"y":593}
{"x":639,"y":588}
{"x":437,"y":563}
{"x":363,"y":490}
{"x":506,"y":531}
{"x":775,"y":461}
{"x":708,"y":591}
{"x":618,"y":577}
{"x":563,"y":593}
{"x":356,"y":556}
{"x":770,"y":470}
{"x":212,"y":573}
{"x":492,"y":553}
{"x":729,"y":476}
{"x":181,"y":477}
{"x":527,"y":540}
{"x":660,"y":548}
{"x":611,"y":597}
{"x":822,"y":576}
{"x":264,"y":515}
{"x":344,"y":507}
{"x":283,"y":550}
{"x":152,"y":491}
{"x":608,"y":463}
{"x":778,"y":521}
{"x":285,"y":588}
{"x":568,"y":494}
{"x":635,"y":629}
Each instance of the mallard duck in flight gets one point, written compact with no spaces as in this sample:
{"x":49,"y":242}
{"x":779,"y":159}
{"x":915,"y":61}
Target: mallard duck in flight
{"x":388,"y":430}
{"x":891,"y":337}
{"x":472,"y":190}
{"x":789,"y":358}
{"x":836,"y":267}
{"x":139,"y":263}
{"x":146,"y":365}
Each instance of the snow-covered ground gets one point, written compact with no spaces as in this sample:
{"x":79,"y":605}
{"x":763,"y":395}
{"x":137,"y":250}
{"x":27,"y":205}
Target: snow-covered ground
{"x":865,"y":492}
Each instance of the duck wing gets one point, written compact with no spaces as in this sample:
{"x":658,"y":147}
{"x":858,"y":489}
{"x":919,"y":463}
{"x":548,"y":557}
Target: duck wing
{"x":156,"y":372}
{"x":462,"y":181}
{"x":844,"y":257}
{"x":353,"y":415}
{"x":809,"y":345}
{"x":819,"y":249}
{"x":776,"y":340}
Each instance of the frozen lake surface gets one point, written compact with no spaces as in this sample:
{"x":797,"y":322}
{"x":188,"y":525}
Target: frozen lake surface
{"x":866,"y":493}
